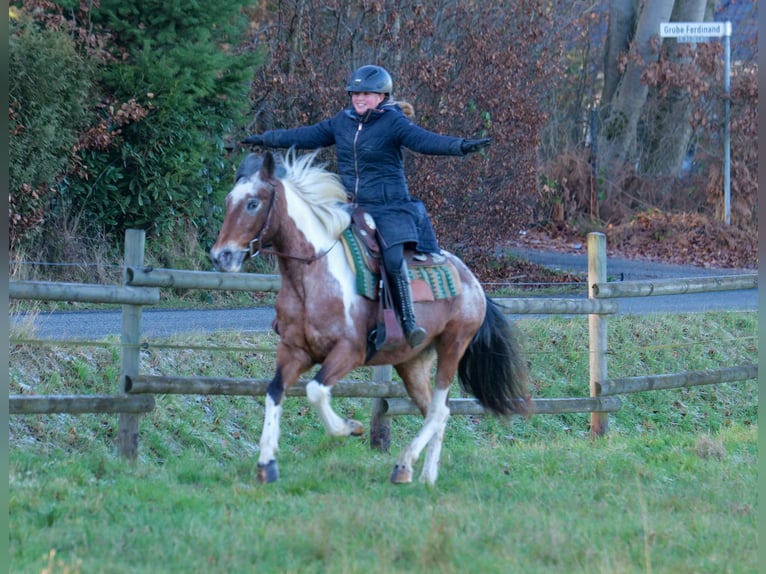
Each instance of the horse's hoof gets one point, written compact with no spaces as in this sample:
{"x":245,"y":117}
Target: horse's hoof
{"x":357,"y":428}
{"x":268,"y":472}
{"x":401,"y":475}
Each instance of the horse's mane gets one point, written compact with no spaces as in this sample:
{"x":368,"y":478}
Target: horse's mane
{"x":321,"y":189}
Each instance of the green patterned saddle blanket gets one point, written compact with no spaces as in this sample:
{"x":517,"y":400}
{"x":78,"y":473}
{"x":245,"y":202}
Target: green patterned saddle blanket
{"x":430,"y":280}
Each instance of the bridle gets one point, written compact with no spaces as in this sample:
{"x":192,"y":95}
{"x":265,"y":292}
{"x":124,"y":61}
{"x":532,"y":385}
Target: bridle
{"x":255,"y":247}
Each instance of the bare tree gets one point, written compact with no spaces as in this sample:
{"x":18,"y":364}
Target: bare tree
{"x":668,"y":128}
{"x":622,"y":110}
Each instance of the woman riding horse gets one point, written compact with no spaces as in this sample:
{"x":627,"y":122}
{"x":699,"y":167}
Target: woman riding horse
{"x":368,"y":138}
{"x":298,"y":212}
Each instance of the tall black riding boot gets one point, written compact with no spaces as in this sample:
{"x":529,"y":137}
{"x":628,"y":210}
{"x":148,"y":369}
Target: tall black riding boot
{"x":402,"y":293}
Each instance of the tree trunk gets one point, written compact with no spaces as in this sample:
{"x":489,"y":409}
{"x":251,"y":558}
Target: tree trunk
{"x":622,"y":22}
{"x":617,"y":138}
{"x":666,"y":138}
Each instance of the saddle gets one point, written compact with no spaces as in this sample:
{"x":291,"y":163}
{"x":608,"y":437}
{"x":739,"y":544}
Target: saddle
{"x":432,"y":276}
{"x":430,"y":279}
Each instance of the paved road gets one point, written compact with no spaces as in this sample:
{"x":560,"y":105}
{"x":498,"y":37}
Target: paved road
{"x":95,"y":325}
{"x":155,"y":323}
{"x":617,"y":267}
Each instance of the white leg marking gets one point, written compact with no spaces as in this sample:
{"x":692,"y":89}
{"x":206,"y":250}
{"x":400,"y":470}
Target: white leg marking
{"x":319,"y":396}
{"x":270,"y":432}
{"x":433,"y":455}
{"x":433,"y":433}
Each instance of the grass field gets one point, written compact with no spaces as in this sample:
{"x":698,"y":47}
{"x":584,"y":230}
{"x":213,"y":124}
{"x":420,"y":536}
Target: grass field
{"x":670,"y":488}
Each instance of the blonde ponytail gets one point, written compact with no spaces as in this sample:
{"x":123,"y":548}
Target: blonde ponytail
{"x":407,"y":108}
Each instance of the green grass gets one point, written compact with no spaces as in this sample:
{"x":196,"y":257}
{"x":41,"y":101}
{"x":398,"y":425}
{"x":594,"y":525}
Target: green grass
{"x":670,"y":488}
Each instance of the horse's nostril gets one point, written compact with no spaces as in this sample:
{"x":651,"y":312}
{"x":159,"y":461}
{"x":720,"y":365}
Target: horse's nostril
{"x":222,"y":258}
{"x":219,"y":258}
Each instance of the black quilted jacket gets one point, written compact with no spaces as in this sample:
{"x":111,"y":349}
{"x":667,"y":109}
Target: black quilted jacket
{"x":371,"y":163}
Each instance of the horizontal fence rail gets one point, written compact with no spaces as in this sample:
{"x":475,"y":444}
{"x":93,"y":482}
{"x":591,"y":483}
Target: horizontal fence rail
{"x":387,"y":390}
{"x":82,"y":293}
{"x":675,"y":286}
{"x":395,"y":406}
{"x":79,"y":404}
{"x":150,"y":277}
{"x":270,"y":283}
{"x":677,"y":380}
{"x":154,"y":384}
{"x":533,"y":305}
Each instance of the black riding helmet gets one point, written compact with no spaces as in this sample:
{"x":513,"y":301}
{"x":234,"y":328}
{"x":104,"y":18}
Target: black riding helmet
{"x":373,"y":79}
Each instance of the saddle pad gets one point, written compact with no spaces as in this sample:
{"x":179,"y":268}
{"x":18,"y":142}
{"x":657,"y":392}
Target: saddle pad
{"x":366,"y":281}
{"x":429,"y":282}
{"x":441,"y":278}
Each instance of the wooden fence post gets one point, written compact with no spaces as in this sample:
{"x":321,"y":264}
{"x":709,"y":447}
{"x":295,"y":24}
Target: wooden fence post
{"x":597,"y":329}
{"x":127,"y":436}
{"x":380,"y":424}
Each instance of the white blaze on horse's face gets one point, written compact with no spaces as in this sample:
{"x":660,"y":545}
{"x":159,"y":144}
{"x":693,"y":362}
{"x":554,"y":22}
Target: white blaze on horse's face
{"x":242,"y":191}
{"x":240,"y":225}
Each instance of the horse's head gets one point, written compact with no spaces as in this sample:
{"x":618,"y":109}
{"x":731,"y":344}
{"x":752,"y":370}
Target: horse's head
{"x":248,"y":210}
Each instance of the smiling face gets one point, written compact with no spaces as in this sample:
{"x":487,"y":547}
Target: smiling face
{"x":363,"y":101}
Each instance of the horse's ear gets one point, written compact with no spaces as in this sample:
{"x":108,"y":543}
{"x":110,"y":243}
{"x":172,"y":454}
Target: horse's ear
{"x":267,"y":169}
{"x":249,"y":166}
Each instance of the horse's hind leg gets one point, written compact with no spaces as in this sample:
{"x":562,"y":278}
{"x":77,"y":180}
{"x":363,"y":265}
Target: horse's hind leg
{"x":432,"y":435}
{"x":433,"y":454}
{"x":416,"y":376}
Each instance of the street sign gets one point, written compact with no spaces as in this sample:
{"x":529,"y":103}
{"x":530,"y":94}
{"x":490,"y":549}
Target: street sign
{"x":695,"y":31}
{"x":690,"y":32}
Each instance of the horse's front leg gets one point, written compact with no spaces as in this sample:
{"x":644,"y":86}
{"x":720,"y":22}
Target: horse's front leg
{"x":318,"y":391}
{"x":283,"y":379}
{"x":267,"y":462}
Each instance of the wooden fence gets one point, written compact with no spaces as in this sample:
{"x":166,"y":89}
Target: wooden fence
{"x":141,"y":287}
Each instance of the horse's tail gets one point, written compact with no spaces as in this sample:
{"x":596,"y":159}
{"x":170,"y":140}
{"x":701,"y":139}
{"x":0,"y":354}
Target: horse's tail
{"x":494,"y":368}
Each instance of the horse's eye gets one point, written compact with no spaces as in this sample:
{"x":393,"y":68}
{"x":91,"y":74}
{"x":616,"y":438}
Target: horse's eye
{"x":252,"y":204}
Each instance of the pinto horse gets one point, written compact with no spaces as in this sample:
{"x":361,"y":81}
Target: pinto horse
{"x":296,"y":210}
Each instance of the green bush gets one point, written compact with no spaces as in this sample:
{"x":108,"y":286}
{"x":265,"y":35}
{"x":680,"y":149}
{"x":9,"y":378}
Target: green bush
{"x":168,"y":169}
{"x":49,"y":103}
{"x":147,"y":149}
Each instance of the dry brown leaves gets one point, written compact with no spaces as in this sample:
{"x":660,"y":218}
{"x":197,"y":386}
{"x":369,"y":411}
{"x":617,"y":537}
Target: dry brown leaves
{"x":676,"y":238}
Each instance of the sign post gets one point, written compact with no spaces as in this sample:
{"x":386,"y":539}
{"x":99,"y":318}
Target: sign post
{"x":703,"y":32}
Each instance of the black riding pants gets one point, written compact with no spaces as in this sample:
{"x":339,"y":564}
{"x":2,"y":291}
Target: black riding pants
{"x":393,"y":255}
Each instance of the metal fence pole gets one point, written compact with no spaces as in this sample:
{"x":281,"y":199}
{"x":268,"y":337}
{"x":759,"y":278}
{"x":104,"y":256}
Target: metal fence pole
{"x":127,"y":436}
{"x":597,"y":341}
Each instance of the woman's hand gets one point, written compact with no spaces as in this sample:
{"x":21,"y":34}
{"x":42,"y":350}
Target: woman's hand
{"x":253,"y":140}
{"x":471,"y":146}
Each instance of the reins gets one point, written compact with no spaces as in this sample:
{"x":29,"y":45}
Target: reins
{"x":306,"y":260}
